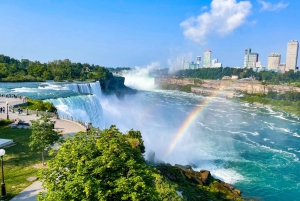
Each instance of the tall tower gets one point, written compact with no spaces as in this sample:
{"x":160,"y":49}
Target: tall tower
{"x":206,"y":59}
{"x":250,"y":58}
{"x":246,"y":57}
{"x":274,"y":61}
{"x":292,"y":55}
{"x":198,"y":61}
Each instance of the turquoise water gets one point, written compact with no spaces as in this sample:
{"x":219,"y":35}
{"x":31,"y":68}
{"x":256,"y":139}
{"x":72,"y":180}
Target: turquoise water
{"x":256,"y":149}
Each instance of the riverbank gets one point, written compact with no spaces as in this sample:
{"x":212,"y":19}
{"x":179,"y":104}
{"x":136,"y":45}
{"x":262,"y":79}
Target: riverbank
{"x":246,"y":91}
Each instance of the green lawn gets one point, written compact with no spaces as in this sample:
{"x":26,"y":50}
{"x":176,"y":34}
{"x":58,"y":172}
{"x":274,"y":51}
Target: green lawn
{"x":19,"y":160}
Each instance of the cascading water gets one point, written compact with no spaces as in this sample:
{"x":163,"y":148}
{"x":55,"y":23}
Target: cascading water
{"x":255,"y":148}
{"x":82,"y":108}
{"x":86,"y":88}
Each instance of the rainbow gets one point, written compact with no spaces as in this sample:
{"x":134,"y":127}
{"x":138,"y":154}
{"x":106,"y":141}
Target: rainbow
{"x":188,"y":121}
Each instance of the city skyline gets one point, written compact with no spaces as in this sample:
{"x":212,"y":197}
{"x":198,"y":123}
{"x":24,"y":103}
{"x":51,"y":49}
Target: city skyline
{"x":134,"y":33}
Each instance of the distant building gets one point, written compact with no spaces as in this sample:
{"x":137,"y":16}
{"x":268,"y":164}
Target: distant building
{"x":215,"y":64}
{"x":281,"y":68}
{"x":274,"y":61}
{"x":198,"y":61}
{"x":206,"y":59}
{"x":258,"y":64}
{"x":190,"y":65}
{"x":250,"y":59}
{"x":292,"y":55}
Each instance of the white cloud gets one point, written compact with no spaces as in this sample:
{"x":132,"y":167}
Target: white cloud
{"x":223,"y":17}
{"x":204,"y":8}
{"x":267,"y":6}
{"x":175,"y":64}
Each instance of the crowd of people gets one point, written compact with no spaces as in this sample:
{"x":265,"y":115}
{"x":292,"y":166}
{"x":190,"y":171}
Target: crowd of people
{"x":19,"y":96}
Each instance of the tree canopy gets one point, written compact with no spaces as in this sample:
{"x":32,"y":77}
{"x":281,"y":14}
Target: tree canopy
{"x":43,"y":136}
{"x":13,"y":70}
{"x":218,"y":73}
{"x":104,"y":165}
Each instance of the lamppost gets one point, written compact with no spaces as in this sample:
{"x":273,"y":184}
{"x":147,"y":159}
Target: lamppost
{"x":7,"y":111}
{"x":3,"y":190}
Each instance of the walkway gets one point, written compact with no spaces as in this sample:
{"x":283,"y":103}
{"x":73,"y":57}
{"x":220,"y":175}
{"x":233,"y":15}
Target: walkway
{"x":66,"y":126}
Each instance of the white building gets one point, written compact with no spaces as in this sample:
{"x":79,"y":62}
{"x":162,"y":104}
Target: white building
{"x":206,"y":59}
{"x":292,"y":55}
{"x":274,"y":61}
{"x":215,"y":64}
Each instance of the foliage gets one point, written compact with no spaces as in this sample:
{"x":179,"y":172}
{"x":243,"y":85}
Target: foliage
{"x":40,"y":105}
{"x":19,"y":160}
{"x":185,"y":88}
{"x":43,"y":136}
{"x":103,"y":165}
{"x":13,"y":70}
{"x":289,"y":101}
{"x":269,"y":77}
{"x":4,"y":122}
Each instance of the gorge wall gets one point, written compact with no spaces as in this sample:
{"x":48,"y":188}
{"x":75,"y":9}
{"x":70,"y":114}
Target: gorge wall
{"x":116,"y":86}
{"x":228,"y":87}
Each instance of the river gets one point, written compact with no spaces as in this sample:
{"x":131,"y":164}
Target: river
{"x":254,"y":148}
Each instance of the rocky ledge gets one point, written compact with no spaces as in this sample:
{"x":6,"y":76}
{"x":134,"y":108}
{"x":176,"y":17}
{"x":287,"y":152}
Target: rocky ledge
{"x":194,"y":185}
{"x":115,"y":85}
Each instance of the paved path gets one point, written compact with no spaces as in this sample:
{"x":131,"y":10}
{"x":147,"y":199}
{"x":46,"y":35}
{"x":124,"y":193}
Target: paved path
{"x":66,"y":126}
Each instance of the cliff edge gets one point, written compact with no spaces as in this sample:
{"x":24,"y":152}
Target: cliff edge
{"x":115,"y":85}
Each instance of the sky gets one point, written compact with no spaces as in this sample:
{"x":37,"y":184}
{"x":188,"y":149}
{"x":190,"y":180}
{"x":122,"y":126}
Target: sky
{"x":130,"y":33}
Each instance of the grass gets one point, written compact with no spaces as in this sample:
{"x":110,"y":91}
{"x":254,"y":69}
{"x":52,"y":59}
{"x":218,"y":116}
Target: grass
{"x":19,"y":160}
{"x":40,"y":105}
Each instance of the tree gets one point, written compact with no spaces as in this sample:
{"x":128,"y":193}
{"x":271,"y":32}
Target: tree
{"x":43,"y":136}
{"x":103,"y":165}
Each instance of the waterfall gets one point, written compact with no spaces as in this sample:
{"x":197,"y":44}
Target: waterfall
{"x":80,"y":108}
{"x":84,"y":107}
{"x":86,"y":88}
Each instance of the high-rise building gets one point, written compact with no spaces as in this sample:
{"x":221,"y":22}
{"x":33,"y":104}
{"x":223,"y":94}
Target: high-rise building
{"x":292,"y":55}
{"x":250,"y":59}
{"x":274,"y":61}
{"x":198,"y":61}
{"x":206,"y":59}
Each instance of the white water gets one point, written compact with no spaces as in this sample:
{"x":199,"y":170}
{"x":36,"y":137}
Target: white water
{"x":241,"y":144}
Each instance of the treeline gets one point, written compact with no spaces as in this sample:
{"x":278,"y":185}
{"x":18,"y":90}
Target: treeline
{"x":13,"y":70}
{"x":219,"y":73}
{"x":118,"y":69}
{"x":289,"y":101}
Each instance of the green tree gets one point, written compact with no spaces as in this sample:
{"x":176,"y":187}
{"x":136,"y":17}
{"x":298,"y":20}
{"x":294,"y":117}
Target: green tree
{"x":103,"y":165}
{"x":43,"y":136}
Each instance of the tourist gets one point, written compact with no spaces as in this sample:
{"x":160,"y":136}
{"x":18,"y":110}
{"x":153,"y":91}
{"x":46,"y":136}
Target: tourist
{"x":86,"y":124}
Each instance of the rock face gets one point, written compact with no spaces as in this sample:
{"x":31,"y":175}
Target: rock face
{"x":116,"y":86}
{"x":207,"y":87}
{"x":200,"y":185}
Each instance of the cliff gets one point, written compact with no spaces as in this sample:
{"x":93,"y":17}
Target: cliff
{"x":194,"y":185}
{"x":228,"y":87}
{"x":115,"y":85}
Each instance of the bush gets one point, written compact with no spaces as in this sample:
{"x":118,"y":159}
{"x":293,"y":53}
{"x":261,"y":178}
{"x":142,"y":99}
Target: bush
{"x":4,"y":122}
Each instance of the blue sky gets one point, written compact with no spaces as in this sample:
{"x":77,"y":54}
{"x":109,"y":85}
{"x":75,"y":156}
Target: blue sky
{"x":142,"y":33}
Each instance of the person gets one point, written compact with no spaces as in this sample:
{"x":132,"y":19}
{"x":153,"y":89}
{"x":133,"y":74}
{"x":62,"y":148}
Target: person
{"x":19,"y":110}
{"x":1,"y":110}
{"x":86,"y":124}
